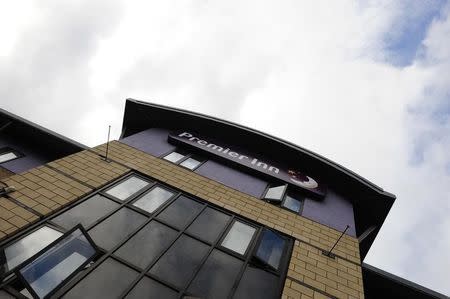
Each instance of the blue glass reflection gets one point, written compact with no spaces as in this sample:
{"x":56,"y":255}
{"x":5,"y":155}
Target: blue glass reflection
{"x":292,"y":204}
{"x":46,"y":272}
{"x":270,"y":248}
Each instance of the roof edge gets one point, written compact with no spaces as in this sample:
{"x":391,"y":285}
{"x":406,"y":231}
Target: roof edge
{"x":43,"y":129}
{"x":310,"y":153}
{"x":404,"y":282}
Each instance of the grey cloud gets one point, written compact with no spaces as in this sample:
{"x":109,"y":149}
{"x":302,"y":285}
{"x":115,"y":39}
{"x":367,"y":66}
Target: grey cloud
{"x":46,"y":77}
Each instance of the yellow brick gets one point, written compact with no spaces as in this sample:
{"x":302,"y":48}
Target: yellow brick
{"x":318,"y":295}
{"x":314,"y":283}
{"x":326,"y":281}
{"x":336,"y":293}
{"x":18,"y":221}
{"x":302,"y":289}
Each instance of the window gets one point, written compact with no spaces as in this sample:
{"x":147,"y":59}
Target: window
{"x":209,"y":225}
{"x":238,"y":237}
{"x":107,"y":281}
{"x":149,"y":288}
{"x":153,"y":199}
{"x":8,"y":154}
{"x":127,"y":188}
{"x":112,"y":230}
{"x":87,"y":212}
{"x":27,"y":246}
{"x":217,"y":275}
{"x":180,"y":212}
{"x":51,"y":267}
{"x":184,"y":159}
{"x":151,"y":240}
{"x":270,"y":248}
{"x":280,"y":195}
{"x":178,"y":264}
{"x":156,"y":242}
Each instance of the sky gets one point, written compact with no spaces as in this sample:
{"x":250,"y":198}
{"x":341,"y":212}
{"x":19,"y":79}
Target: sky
{"x":363,"y":83}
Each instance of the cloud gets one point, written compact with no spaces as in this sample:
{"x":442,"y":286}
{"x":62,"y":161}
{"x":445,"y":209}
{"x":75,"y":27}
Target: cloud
{"x":363,"y":83}
{"x":46,"y":75}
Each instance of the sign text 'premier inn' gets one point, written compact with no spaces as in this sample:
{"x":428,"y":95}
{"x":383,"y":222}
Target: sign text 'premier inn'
{"x":282,"y":173}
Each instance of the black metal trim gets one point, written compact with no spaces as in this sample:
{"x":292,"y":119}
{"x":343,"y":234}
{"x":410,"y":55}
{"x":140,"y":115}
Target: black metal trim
{"x":45,"y":249}
{"x":8,"y":149}
{"x":20,"y":236}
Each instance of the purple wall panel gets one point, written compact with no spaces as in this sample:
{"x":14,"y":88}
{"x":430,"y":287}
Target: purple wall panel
{"x":233,"y":178}
{"x":32,"y":157}
{"x":333,"y":211}
{"x":152,"y":141}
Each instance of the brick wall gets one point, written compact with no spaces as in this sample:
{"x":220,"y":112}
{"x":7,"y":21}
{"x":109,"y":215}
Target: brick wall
{"x":311,"y":275}
{"x":5,"y":173}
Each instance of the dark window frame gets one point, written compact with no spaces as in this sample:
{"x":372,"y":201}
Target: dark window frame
{"x":148,"y":190}
{"x":247,"y":259}
{"x":284,"y":256}
{"x":18,"y":237}
{"x":186,"y":155}
{"x":286,"y":192}
{"x":104,"y":190}
{"x":45,"y":249}
{"x":7,"y":149}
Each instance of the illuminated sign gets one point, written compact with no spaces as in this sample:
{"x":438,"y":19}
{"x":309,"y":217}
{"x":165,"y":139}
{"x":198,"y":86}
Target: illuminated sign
{"x":285,"y":174}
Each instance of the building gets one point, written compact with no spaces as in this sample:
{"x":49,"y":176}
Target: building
{"x":185,"y":206}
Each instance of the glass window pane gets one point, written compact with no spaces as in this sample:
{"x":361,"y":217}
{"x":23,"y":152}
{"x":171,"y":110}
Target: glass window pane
{"x":153,"y":199}
{"x":87,"y":212}
{"x":125,"y":189}
{"x":271,"y":248}
{"x":108,"y":280}
{"x":180,"y":212}
{"x":216,"y":277}
{"x":257,"y":283}
{"x":209,"y":225}
{"x":275,"y":193}
{"x":179,"y":263}
{"x":174,"y":157}
{"x":191,"y":163}
{"x":292,"y":204}
{"x":7,"y":156}
{"x":115,"y":228}
{"x":149,"y":288}
{"x":238,"y":238}
{"x":26,"y":247}
{"x":147,"y":244}
{"x":57,"y":263}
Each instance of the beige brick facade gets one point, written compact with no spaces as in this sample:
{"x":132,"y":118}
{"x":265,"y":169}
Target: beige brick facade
{"x":48,"y":188}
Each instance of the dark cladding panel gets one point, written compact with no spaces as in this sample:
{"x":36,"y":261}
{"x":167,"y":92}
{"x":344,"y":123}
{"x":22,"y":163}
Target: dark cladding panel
{"x":108,"y":280}
{"x":257,"y":283}
{"x":152,"y":141}
{"x":149,"y":288}
{"x":233,"y":178}
{"x":334,"y":211}
{"x":32,"y":155}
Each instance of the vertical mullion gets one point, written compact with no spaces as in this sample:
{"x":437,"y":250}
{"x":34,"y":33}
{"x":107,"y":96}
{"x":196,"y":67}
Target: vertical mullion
{"x":146,"y":269}
{"x":245,"y":265}
{"x":212,"y":247}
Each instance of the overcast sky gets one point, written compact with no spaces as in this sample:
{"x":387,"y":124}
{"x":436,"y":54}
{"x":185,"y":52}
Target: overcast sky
{"x":365,"y":83}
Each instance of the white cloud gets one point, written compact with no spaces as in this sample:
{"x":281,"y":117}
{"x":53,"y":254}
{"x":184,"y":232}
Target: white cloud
{"x":316,"y":73}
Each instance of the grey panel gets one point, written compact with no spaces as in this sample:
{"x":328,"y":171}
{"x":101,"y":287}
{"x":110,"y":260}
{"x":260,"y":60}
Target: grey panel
{"x":112,"y":230}
{"x":108,"y":280}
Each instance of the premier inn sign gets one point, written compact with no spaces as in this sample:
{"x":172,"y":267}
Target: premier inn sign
{"x":285,"y":174}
